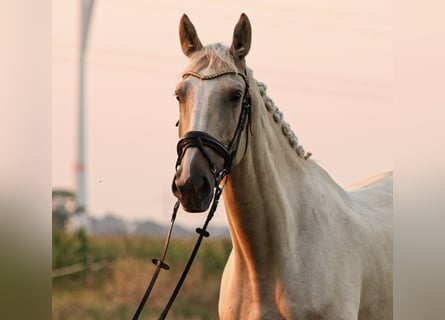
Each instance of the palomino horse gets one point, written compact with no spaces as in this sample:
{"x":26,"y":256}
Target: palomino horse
{"x":303,"y":247}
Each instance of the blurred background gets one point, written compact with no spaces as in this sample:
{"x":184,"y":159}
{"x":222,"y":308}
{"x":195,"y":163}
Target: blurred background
{"x":328,"y":66}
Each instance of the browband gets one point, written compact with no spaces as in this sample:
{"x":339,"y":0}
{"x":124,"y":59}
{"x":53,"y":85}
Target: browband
{"x":214,"y":75}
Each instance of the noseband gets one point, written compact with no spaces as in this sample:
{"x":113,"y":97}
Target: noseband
{"x":201,"y":140}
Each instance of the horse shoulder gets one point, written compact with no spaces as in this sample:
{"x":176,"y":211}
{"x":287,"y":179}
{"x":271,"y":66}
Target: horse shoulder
{"x":373,"y":201}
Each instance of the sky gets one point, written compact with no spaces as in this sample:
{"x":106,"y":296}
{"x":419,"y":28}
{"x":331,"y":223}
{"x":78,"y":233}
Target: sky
{"x":328,"y":66}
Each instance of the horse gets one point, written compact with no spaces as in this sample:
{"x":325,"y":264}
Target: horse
{"x":303,"y":246}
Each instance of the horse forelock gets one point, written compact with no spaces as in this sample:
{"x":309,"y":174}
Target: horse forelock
{"x":211,"y":59}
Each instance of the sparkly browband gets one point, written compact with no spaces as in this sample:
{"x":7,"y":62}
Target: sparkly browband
{"x":213,"y":76}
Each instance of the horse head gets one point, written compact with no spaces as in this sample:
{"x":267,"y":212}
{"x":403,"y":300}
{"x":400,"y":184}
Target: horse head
{"x":214,"y":104}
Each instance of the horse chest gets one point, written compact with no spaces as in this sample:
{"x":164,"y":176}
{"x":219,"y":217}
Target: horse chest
{"x":266,"y":295}
{"x":286,"y":293}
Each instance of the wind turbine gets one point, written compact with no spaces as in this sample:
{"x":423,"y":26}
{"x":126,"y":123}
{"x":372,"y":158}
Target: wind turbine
{"x":81,"y":199}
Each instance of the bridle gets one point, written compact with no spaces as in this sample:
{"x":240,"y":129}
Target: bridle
{"x":202,"y":140}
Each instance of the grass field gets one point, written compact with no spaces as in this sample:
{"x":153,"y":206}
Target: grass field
{"x":115,"y":291}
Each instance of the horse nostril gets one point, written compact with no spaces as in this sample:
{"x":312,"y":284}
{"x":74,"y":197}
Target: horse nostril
{"x":176,"y":190}
{"x":204,"y":189}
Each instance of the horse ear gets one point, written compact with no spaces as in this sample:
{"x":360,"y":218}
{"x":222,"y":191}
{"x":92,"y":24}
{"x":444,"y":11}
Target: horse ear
{"x":242,"y":36}
{"x":189,"y":38}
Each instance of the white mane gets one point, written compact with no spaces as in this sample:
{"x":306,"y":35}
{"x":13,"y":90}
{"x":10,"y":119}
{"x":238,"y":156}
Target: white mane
{"x":285,"y":127}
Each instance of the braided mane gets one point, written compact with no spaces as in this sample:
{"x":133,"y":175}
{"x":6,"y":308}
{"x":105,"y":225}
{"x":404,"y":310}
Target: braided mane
{"x":278,"y":118}
{"x":217,"y":57}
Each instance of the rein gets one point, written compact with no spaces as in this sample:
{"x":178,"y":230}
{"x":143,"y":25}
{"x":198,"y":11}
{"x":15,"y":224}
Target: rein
{"x":201,"y":140}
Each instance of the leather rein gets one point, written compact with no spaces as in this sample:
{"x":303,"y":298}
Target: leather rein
{"x":202,"y":140}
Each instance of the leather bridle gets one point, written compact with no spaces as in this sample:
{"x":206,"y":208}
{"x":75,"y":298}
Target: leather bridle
{"x":202,"y":140}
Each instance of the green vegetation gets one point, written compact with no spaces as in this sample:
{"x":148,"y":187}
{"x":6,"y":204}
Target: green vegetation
{"x":114,"y":292}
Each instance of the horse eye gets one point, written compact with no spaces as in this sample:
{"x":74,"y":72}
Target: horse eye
{"x":177,"y":98}
{"x":236,"y":96}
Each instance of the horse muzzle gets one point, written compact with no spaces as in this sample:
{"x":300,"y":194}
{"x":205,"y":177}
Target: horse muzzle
{"x":193,"y":182}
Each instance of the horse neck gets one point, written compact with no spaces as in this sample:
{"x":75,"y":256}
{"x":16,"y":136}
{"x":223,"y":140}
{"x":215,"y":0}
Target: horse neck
{"x":269,"y":191}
